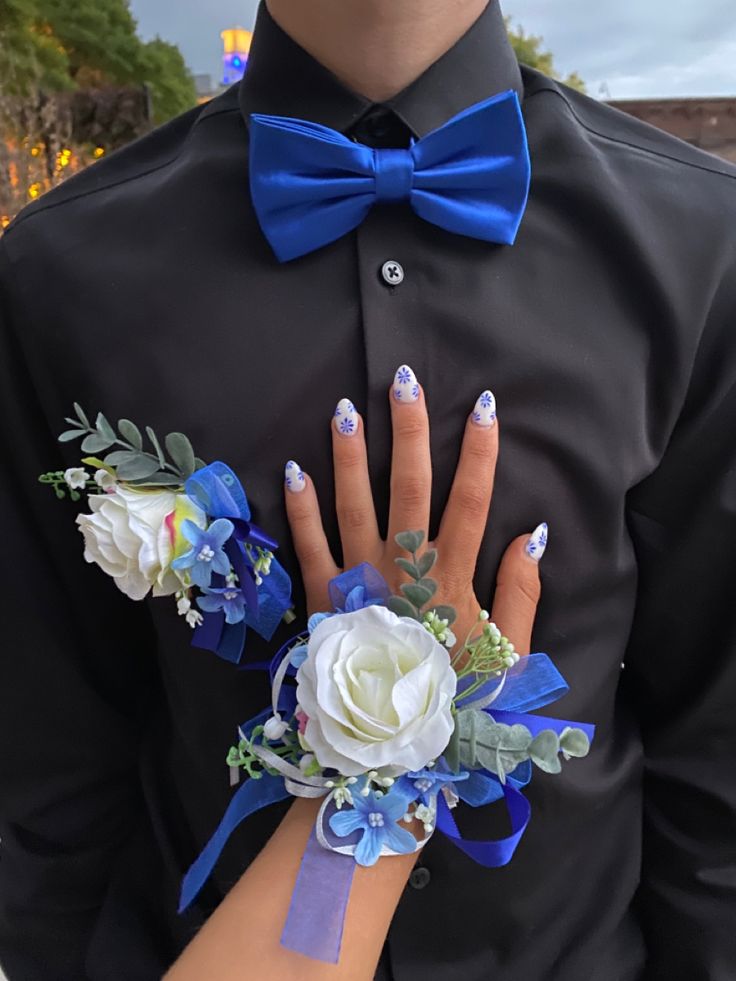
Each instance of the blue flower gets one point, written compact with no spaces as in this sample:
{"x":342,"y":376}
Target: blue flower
{"x":229,"y":599}
{"x":376,"y":817}
{"x":206,"y":554}
{"x":424,"y":784}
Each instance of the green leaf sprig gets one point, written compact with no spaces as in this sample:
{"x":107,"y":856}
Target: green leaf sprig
{"x":134,"y":464}
{"x":480,"y":742}
{"x":418,"y":593}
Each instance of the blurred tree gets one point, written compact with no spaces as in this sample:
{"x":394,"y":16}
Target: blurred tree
{"x":529,"y":51}
{"x":61,"y":44}
{"x":171,"y":84}
{"x":28,"y":55}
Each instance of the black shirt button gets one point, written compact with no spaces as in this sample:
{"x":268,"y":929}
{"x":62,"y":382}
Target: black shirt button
{"x":392,"y":272}
{"x":420,"y":877}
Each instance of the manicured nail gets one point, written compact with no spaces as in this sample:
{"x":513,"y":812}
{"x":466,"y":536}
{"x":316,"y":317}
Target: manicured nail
{"x":537,"y":542}
{"x":346,"y":418}
{"x":406,"y":388}
{"x":484,"y":413}
{"x":294,"y":477}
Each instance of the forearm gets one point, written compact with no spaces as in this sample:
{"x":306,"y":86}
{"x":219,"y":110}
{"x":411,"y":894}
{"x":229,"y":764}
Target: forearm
{"x":242,"y":938}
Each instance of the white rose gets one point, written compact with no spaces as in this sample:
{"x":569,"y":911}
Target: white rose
{"x":377,"y":690}
{"x":129,"y":537}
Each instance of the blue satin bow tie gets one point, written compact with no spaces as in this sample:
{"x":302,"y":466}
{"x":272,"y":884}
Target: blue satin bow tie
{"x":311,"y":185}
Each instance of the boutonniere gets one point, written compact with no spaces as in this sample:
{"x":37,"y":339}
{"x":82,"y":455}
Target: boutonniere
{"x":372,"y":712}
{"x":165,"y":523}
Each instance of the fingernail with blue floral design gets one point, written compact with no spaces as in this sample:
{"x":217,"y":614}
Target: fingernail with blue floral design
{"x":537,"y":542}
{"x":294,"y":477}
{"x":484,"y":413}
{"x":406,"y":387}
{"x":346,"y":418}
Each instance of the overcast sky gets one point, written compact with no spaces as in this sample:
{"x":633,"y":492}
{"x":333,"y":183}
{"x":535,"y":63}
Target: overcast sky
{"x":635,"y":48}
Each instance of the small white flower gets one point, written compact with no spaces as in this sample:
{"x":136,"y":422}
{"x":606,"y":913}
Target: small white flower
{"x":105,"y":480}
{"x":306,"y":761}
{"x":183,"y":605}
{"x":424,"y":814}
{"x":274,"y":728}
{"x":194,"y":618}
{"x":76,"y":478}
{"x":342,"y":796}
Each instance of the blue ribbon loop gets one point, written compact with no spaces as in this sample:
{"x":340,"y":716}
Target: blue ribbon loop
{"x":218,"y":491}
{"x":311,"y":185}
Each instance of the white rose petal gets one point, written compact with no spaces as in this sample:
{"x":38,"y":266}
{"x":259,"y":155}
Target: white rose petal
{"x":378,"y":691}
{"x":76,"y":478}
{"x":127,"y":536}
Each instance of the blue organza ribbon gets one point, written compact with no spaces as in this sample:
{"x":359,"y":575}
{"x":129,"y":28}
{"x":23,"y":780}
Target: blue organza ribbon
{"x":217,"y":490}
{"x":311,"y":185}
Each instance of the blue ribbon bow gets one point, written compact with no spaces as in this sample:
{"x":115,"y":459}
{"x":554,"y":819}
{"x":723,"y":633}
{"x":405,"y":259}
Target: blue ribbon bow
{"x":311,"y":185}
{"x":217,"y":490}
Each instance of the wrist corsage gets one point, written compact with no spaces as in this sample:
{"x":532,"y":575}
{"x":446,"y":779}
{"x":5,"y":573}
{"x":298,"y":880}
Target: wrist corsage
{"x":372,"y":713}
{"x":163,"y":522}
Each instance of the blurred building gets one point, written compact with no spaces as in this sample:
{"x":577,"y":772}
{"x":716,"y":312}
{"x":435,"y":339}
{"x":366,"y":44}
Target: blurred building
{"x":709,"y":124}
{"x":235,"y":50}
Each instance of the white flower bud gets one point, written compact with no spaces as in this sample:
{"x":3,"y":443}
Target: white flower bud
{"x":274,"y":728}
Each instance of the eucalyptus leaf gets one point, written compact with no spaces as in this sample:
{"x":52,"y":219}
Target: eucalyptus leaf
{"x":95,"y":443}
{"x":401,"y":607}
{"x":410,"y":541}
{"x":428,"y":584}
{"x":128,"y":430}
{"x":574,"y":742}
{"x":544,"y":751}
{"x":495,"y":747}
{"x":427,"y":561}
{"x":75,"y":423}
{"x":409,"y":568}
{"x":137,"y":467}
{"x":104,"y":428}
{"x":452,"y":753}
{"x":416,"y":594}
{"x":82,"y":415}
{"x":160,"y":479}
{"x":199,"y":463}
{"x":71,"y":434}
{"x":157,"y":446}
{"x":117,"y":457}
{"x":180,"y":450}
{"x":446,"y":613}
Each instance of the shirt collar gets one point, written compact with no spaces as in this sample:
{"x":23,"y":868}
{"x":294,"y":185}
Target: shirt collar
{"x":282,"y":79}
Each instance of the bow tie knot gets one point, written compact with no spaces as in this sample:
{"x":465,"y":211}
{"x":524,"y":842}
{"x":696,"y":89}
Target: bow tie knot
{"x":311,"y":185}
{"x":394,"y":175}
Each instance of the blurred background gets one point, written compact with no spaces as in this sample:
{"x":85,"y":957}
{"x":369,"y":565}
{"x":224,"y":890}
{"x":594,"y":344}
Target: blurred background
{"x":80,"y":78}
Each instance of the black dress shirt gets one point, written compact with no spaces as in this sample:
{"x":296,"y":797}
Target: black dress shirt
{"x":145,"y":288}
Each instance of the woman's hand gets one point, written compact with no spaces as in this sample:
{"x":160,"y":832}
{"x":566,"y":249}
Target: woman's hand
{"x":461,"y":529}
